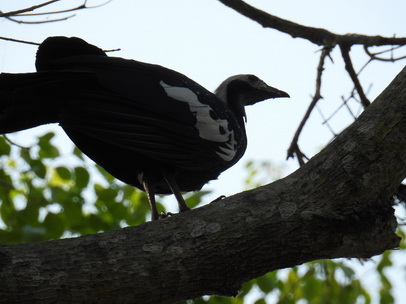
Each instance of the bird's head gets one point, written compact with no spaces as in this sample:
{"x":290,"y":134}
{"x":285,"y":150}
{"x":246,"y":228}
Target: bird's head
{"x":241,"y":90}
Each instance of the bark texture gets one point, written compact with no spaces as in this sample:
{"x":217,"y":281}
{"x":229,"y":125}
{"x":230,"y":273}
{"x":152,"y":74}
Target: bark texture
{"x":337,"y":205}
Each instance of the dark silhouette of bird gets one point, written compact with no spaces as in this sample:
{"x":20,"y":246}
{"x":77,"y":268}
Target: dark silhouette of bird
{"x":148,"y":126}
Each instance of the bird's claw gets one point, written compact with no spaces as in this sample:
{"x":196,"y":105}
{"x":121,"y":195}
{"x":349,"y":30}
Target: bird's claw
{"x":164,"y":215}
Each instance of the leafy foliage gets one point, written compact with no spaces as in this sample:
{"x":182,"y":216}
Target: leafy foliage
{"x":40,"y":201}
{"x":45,"y":195}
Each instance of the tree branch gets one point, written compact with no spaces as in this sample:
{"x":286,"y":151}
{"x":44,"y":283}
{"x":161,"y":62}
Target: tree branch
{"x":28,"y":9}
{"x":315,"y":35}
{"x":345,"y":52}
{"x":320,"y":37}
{"x":19,"y":41}
{"x":373,"y":56}
{"x":294,"y":146}
{"x":336,"y":205}
{"x":23,"y":12}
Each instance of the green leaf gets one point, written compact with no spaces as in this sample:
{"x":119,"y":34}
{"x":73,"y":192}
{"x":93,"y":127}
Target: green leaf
{"x":25,"y":155}
{"x":105,"y":194}
{"x":37,"y":198}
{"x":46,"y":149}
{"x":73,"y":214}
{"x":312,"y":288}
{"x":349,"y":273}
{"x":38,"y":168}
{"x":63,"y":173}
{"x":5,"y":148}
{"x":6,"y":212}
{"x":30,"y":214}
{"x":385,"y":262}
{"x":267,"y":282}
{"x":54,"y":225}
{"x":33,"y":234}
{"x":82,"y":177}
{"x":196,"y":198}
{"x":97,"y":224}
{"x":386,"y":297}
{"x":78,"y":153}
{"x":118,"y":211}
{"x":58,"y":195}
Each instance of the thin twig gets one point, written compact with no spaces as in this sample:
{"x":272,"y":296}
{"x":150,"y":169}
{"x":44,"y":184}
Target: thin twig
{"x":23,"y":12}
{"x":112,"y":50}
{"x":19,"y":41}
{"x":40,"y":21}
{"x":28,"y":9}
{"x":79,"y":7}
{"x":294,"y":147}
{"x":13,"y":143}
{"x":373,"y":56}
{"x":326,"y":121}
{"x":345,"y":103}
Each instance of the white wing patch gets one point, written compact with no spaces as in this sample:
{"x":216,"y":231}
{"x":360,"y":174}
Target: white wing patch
{"x":210,"y":129}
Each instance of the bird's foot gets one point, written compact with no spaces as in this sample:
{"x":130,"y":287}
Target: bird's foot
{"x":164,"y":215}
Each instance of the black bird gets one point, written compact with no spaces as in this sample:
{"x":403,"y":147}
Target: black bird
{"x":147,"y":125}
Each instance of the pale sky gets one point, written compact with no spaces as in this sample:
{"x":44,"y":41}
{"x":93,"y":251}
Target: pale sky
{"x":209,"y":42}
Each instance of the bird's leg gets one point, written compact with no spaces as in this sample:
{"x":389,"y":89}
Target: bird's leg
{"x":175,"y":190}
{"x":149,"y":188}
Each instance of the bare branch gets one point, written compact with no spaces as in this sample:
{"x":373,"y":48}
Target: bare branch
{"x":345,"y":103}
{"x":316,"y":35}
{"x":23,"y":12}
{"x":320,"y":37}
{"x":20,"y":41}
{"x":373,"y":56}
{"x":345,"y":51}
{"x":28,"y":9}
{"x":83,"y":6}
{"x":41,"y":21}
{"x":326,"y":120}
{"x":14,"y":143}
{"x":294,"y":148}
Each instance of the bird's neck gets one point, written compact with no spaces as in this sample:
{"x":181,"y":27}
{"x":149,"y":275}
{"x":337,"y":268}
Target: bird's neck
{"x":235,"y":98}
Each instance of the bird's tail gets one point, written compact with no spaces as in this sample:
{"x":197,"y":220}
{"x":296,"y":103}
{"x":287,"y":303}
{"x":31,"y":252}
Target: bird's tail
{"x":32,"y":99}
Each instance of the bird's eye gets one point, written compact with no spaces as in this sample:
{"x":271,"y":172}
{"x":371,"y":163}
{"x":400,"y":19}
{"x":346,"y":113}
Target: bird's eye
{"x":253,"y":78}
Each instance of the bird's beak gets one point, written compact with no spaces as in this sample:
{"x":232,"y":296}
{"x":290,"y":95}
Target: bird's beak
{"x":263,"y":93}
{"x":271,"y":92}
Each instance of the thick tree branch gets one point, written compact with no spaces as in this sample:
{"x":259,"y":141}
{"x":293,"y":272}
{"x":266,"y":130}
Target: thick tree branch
{"x":336,"y":205}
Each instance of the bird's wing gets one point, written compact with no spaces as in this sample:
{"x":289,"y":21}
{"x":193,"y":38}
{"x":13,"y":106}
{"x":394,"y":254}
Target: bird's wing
{"x":152,"y":111}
